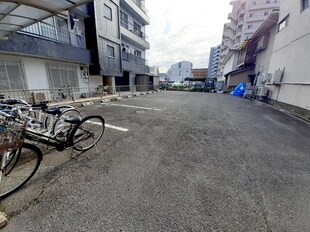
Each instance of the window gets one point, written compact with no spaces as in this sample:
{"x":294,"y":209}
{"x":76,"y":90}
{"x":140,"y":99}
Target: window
{"x":124,"y":20}
{"x":107,"y":12}
{"x":250,"y":26}
{"x":11,"y":75}
{"x":283,"y":23}
{"x":251,"y":15}
{"x":267,"y":1}
{"x":254,"y":3}
{"x":305,"y":4}
{"x":137,"y":29}
{"x":62,"y":75}
{"x":110,"y":51}
{"x":266,"y":13}
{"x":137,"y":53}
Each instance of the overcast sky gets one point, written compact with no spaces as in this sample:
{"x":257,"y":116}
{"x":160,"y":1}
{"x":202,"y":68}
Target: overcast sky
{"x":184,"y":30}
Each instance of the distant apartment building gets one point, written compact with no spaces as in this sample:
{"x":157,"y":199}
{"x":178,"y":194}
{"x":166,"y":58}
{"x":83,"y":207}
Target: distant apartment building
{"x":116,"y":33}
{"x":102,"y":42}
{"x":45,"y":55}
{"x":245,"y":18}
{"x":134,"y":43}
{"x":179,"y":71}
{"x":275,"y":59}
{"x":200,"y":73}
{"x":214,"y":61}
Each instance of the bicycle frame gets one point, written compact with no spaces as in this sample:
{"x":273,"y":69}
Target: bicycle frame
{"x":47,"y":139}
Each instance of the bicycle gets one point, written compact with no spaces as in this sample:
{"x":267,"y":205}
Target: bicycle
{"x":50,"y":118}
{"x":19,"y":160}
{"x":79,"y":134}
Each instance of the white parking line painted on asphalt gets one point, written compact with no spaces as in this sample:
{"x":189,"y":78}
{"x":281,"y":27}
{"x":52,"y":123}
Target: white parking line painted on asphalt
{"x":152,"y":99}
{"x":110,"y":126}
{"x":131,"y":106}
{"x":116,"y":127}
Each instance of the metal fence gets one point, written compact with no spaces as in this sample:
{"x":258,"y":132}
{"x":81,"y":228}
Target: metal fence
{"x":70,"y":94}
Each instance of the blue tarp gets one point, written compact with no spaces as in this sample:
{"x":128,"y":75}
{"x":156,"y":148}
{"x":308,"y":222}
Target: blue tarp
{"x":239,"y":90}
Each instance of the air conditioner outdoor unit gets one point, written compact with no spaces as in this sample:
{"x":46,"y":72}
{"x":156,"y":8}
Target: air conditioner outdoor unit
{"x":41,"y":97}
{"x":262,"y":91}
{"x":262,"y":43}
{"x":277,"y":77}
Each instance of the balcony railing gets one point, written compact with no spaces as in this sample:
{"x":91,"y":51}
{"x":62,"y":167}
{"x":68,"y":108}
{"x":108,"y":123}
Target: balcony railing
{"x":135,"y":30}
{"x":264,"y":6}
{"x":50,"y":32}
{"x":133,"y":59}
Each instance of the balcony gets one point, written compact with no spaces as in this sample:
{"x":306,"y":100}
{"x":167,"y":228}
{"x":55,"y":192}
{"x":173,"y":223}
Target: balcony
{"x":134,"y":34}
{"x":230,"y":25}
{"x":241,"y":13}
{"x":256,"y":18}
{"x":51,"y":32}
{"x":250,"y":30}
{"x":132,"y":62}
{"x":228,"y":43}
{"x":232,"y":16}
{"x":137,"y":9}
{"x":238,"y":35}
{"x":229,"y":34}
{"x":240,"y":24}
{"x":264,"y":6}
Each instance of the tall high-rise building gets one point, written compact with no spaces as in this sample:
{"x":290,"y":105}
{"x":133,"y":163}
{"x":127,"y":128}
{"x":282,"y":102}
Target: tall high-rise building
{"x":245,"y":18}
{"x":214,"y":61}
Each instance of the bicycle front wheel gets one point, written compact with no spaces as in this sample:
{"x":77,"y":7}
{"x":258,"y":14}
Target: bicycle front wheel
{"x":87,"y":133}
{"x":17,"y":167}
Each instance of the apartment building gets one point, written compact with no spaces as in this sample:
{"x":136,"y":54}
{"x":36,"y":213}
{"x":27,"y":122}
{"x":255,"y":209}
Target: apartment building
{"x":200,"y":73}
{"x":102,"y":42}
{"x":116,"y":32}
{"x":179,"y":71}
{"x":48,"y":54}
{"x":214,"y":61}
{"x":246,"y":17}
{"x":133,"y":21}
{"x":289,"y":61}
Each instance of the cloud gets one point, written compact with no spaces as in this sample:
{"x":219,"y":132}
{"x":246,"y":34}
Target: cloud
{"x":184,"y":30}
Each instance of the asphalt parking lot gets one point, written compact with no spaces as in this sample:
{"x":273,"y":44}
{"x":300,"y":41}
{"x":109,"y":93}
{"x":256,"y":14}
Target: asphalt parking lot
{"x":175,"y":161}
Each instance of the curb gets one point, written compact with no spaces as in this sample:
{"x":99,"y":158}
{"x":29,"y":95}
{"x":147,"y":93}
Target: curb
{"x":87,"y":103}
{"x":306,"y":120}
{"x":106,"y":99}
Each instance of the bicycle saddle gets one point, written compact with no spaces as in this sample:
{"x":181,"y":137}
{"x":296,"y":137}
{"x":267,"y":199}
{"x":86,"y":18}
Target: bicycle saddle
{"x":43,"y":106}
{"x":73,"y":119}
{"x":54,"y":111}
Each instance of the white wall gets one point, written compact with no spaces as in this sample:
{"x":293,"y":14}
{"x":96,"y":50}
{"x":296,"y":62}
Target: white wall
{"x":229,"y":66}
{"x":291,"y":51}
{"x":263,"y":57}
{"x":36,"y":73}
{"x":179,"y":74}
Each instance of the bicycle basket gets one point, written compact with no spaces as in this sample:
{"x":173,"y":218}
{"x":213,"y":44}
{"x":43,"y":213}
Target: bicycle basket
{"x":10,"y":136}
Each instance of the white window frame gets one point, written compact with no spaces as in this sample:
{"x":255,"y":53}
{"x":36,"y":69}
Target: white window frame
{"x":107,"y":12}
{"x":283,"y":23}
{"x":109,"y":49}
{"x":22,"y":76}
{"x":305,"y":4}
{"x":62,"y":67}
